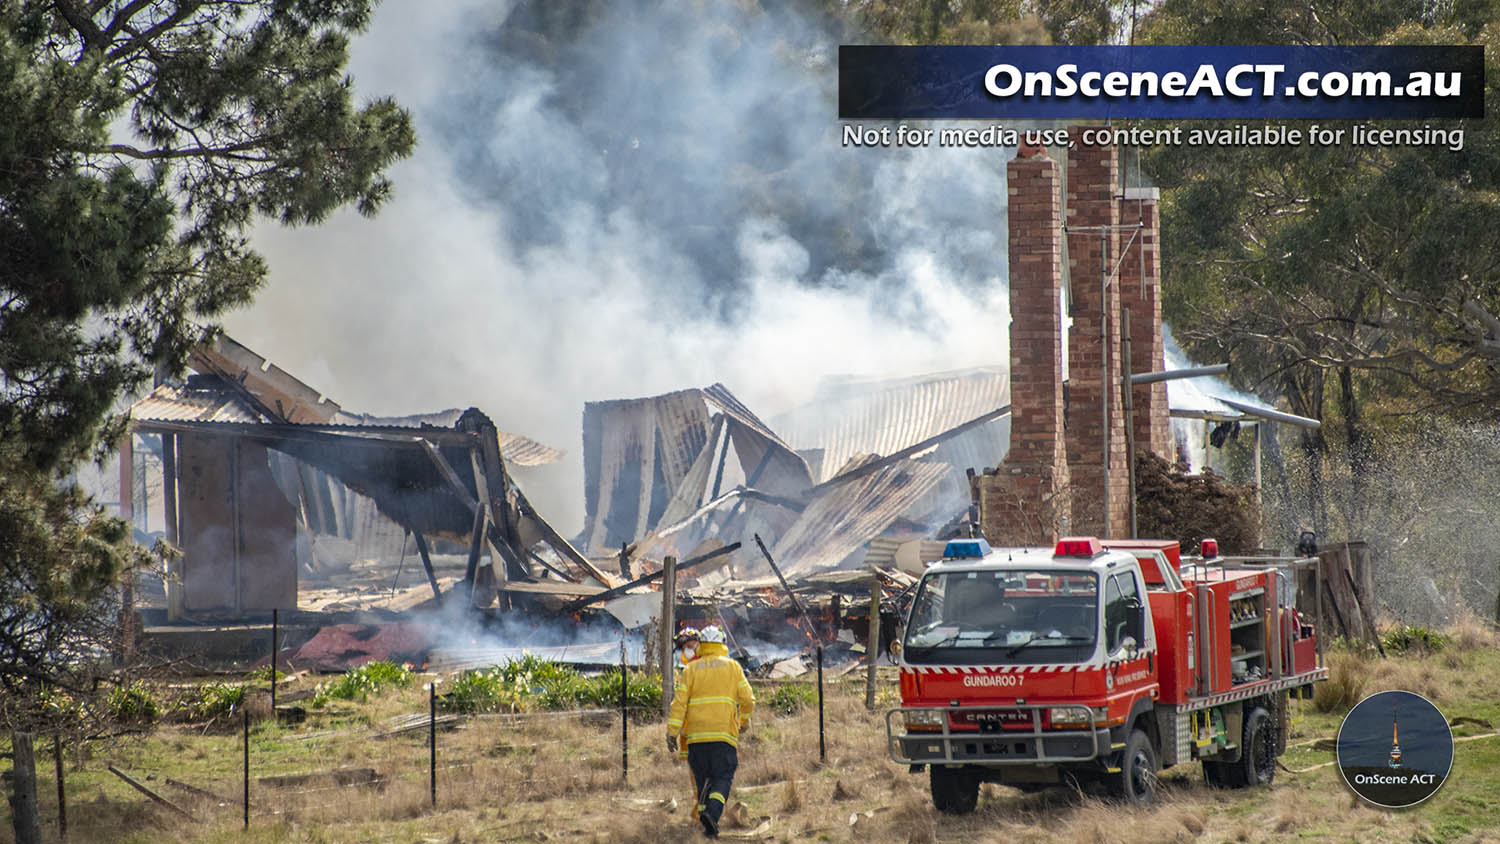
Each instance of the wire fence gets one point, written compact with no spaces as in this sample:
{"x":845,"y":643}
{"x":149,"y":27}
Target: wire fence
{"x":263,"y":773}
{"x":381,"y":769}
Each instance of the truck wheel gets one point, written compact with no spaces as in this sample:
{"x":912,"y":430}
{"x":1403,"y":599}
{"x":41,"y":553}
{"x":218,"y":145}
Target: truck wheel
{"x":1136,"y":781}
{"x":955,"y":791}
{"x":1257,"y":765}
{"x":1257,"y":762}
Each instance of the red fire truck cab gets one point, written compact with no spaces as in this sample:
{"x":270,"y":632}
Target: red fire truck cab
{"x":1097,"y":660}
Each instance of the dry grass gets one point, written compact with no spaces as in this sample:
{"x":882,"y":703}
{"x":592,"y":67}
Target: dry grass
{"x":1424,"y":675}
{"x":557,"y":778}
{"x":1348,"y":671}
{"x":1470,"y":632}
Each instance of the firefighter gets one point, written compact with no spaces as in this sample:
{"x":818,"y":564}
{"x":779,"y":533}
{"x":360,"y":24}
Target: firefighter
{"x":687,"y":646}
{"x":712,"y":704}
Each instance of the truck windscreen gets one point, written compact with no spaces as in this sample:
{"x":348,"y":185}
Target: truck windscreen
{"x":1003,"y":617}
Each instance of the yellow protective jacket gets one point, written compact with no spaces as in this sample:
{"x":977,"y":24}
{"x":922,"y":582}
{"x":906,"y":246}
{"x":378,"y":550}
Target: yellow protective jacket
{"x":712,"y":700}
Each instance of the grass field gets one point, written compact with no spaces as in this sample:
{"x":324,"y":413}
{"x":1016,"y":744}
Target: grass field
{"x":557,"y":777}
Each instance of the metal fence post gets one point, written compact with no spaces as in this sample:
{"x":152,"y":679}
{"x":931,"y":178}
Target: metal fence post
{"x":624,"y":720}
{"x":62,"y":801}
{"x":432,"y":741}
{"x":822,"y":743}
{"x":246,"y":716}
{"x":872,"y":641}
{"x":275,"y":629}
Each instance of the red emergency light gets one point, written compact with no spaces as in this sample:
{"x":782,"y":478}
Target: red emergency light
{"x":1208,"y":548}
{"x":1078,"y":546}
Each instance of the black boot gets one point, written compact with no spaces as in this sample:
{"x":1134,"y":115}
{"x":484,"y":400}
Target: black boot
{"x":710,"y":826}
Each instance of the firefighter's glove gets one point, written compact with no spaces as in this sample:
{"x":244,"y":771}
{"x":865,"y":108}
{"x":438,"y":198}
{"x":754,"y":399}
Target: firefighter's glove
{"x":671,"y":744}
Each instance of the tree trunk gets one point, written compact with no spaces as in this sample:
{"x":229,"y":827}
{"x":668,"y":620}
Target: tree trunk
{"x":1285,"y":526}
{"x":25,"y":819}
{"x":1358,"y":452}
{"x":1306,"y":399}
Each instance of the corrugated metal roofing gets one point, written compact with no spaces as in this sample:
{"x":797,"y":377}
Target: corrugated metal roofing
{"x":168,"y":403}
{"x":736,"y":516}
{"x":861,"y":416}
{"x":645,"y":458}
{"x":845,"y":516}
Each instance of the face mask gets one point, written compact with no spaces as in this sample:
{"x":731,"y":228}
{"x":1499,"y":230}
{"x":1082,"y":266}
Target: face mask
{"x":689,"y":652}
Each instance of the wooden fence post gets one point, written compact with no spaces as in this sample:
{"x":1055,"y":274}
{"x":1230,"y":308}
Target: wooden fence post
{"x":872,"y":642}
{"x":668,"y":631}
{"x":24,"y":814}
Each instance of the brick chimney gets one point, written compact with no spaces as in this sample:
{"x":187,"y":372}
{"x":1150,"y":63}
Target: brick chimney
{"x":1140,"y":291}
{"x":1099,"y":488}
{"x":1018,"y":503}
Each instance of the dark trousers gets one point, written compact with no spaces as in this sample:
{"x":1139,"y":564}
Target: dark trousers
{"x":713,"y":764}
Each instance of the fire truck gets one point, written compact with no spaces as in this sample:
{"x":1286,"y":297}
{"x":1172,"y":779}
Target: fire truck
{"x":1098,"y":661}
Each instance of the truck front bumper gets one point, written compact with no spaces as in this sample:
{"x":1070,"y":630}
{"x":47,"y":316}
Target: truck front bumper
{"x":1005,"y":747}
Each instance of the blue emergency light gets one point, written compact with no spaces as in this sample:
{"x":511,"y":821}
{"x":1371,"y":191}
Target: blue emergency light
{"x":966,"y":549}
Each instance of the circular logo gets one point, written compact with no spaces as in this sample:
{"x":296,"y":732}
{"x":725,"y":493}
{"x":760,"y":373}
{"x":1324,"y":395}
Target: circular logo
{"x":1395,"y":749}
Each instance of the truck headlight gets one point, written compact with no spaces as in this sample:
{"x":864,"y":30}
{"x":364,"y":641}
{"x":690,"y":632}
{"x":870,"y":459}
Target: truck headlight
{"x":924,"y":719}
{"x":1070,"y":716}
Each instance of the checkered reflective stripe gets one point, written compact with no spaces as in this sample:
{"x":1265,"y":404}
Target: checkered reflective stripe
{"x":1254,"y":690}
{"x":1037,"y":668}
{"x":1040,"y":668}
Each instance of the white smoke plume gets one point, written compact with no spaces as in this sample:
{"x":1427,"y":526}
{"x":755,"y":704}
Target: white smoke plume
{"x":659,"y":200}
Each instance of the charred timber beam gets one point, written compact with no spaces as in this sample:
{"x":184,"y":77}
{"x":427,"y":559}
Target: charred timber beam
{"x":548,"y":566}
{"x":271,"y":433}
{"x":556,"y":540}
{"x":561,"y":545}
{"x":472,"y":569}
{"x":811,"y":631}
{"x":449,"y":474}
{"x":427,"y":564}
{"x":497,"y":513}
{"x":616,"y":592}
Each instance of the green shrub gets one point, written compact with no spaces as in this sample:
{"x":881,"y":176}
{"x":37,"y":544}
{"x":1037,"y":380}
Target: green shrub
{"x":59,"y":704}
{"x":790,"y":698}
{"x":481,"y":691}
{"x":1412,"y":638}
{"x":216,"y":699}
{"x":642,"y":691}
{"x":263,"y":674}
{"x":133,"y":704}
{"x":530,"y":683}
{"x":360,"y":683}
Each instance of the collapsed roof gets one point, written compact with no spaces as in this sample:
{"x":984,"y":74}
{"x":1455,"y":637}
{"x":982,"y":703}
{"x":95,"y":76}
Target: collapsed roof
{"x":887,"y":458}
{"x":437,"y":475}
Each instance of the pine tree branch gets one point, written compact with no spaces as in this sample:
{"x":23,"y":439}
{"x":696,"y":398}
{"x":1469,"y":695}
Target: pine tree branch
{"x":88,"y":31}
{"x":182,"y":13}
{"x":186,"y":152}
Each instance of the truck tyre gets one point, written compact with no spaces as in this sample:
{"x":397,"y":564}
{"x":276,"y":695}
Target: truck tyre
{"x":1257,"y":762}
{"x":955,"y":791}
{"x":1136,"y":780}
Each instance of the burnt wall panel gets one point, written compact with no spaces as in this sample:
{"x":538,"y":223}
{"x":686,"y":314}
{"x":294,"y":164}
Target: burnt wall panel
{"x":263,"y":575}
{"x":206,"y":524}
{"x":268,"y":535}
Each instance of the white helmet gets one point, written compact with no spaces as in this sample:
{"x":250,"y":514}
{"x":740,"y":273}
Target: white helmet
{"x":711,"y":633}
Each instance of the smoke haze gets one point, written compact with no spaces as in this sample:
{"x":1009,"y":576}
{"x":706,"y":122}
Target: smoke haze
{"x":619,"y":199}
